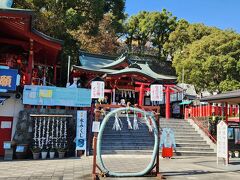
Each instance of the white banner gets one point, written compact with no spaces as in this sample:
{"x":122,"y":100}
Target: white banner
{"x":156,"y":91}
{"x":97,"y":89}
{"x":81,"y":130}
{"x":222,"y":140}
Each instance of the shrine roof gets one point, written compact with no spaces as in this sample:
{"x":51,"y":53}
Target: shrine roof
{"x":232,"y":97}
{"x":103,"y":65}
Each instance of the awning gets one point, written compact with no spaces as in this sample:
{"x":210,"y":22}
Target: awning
{"x":185,"y":103}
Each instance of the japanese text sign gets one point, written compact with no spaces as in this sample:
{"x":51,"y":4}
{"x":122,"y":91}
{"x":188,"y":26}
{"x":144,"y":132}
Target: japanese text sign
{"x":156,"y":91}
{"x":81,"y":131}
{"x":97,"y":89}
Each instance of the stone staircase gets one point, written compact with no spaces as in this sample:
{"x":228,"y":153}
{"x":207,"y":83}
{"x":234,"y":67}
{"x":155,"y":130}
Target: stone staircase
{"x":127,"y":141}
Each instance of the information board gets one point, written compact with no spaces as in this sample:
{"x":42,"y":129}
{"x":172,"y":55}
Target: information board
{"x":222,"y":141}
{"x":56,"y":96}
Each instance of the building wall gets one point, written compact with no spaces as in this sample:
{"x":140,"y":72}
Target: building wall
{"x":11,"y":107}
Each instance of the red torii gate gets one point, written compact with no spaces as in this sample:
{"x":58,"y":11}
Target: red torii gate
{"x":167,"y":91}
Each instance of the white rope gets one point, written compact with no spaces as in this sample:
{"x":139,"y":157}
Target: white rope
{"x":135,"y":123}
{"x":148,"y":123}
{"x":117,"y":123}
{"x":128,"y":121}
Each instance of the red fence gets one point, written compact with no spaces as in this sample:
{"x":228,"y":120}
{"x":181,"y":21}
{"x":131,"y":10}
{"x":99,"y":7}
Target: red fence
{"x":209,"y":110}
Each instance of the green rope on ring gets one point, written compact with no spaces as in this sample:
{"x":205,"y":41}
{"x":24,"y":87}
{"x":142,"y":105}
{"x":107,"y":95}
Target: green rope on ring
{"x":99,"y":145}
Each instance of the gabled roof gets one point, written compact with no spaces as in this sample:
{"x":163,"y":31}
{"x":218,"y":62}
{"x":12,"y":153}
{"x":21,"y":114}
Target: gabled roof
{"x":106,"y":66}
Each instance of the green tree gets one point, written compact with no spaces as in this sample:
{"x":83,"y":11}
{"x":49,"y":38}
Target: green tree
{"x":212,"y":62}
{"x":163,"y":24}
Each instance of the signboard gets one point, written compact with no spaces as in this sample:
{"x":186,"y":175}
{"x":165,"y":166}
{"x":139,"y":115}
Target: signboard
{"x":6,"y":125}
{"x":156,"y":91}
{"x":55,"y":96}
{"x":175,"y":108}
{"x":97,"y":89}
{"x":9,"y":79}
{"x":20,"y":149}
{"x":81,"y":130}
{"x":222,"y":141}
{"x":7,"y":145}
{"x":95,"y":126}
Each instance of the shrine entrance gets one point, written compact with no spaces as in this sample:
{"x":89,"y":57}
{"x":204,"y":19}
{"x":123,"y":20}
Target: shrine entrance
{"x":136,"y":118}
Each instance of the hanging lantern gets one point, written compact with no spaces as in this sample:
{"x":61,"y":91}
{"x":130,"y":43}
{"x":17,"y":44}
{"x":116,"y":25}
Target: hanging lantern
{"x":156,"y":91}
{"x":97,"y":88}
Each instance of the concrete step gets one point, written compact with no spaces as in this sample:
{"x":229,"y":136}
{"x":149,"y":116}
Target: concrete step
{"x":149,"y":152}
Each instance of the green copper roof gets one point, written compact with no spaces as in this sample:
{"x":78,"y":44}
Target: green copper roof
{"x":103,"y":65}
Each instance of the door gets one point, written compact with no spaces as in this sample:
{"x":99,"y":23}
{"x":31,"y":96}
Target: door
{"x":5,"y":131}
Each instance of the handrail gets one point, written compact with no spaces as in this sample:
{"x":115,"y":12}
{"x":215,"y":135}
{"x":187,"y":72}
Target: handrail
{"x":205,"y":130}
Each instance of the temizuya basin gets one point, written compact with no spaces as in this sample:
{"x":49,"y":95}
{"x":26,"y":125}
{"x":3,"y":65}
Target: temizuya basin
{"x":6,"y":3}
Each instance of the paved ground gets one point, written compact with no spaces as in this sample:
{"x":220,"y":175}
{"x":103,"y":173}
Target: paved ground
{"x":66,"y":169}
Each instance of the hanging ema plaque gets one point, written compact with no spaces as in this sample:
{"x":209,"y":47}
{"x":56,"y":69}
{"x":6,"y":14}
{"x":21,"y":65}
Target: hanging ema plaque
{"x":222,"y":141}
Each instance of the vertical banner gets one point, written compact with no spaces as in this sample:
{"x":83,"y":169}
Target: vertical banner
{"x":97,"y":89}
{"x":222,"y":141}
{"x":81,"y":130}
{"x":156,"y":92}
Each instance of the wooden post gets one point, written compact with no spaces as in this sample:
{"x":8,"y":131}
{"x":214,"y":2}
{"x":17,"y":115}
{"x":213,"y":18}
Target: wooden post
{"x":94,"y":171}
{"x":30,"y":63}
{"x":141,"y":94}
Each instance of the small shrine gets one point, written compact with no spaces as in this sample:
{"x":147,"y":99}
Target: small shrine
{"x":125,"y":80}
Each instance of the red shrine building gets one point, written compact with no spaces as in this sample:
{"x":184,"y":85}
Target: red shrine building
{"x":27,"y":52}
{"x":126,"y":80}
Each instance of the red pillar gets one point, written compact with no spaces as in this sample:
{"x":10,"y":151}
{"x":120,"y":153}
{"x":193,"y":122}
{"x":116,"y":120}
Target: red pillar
{"x":167,"y":91}
{"x":226,"y":112}
{"x":231,"y":111}
{"x":141,"y":93}
{"x":30,"y":62}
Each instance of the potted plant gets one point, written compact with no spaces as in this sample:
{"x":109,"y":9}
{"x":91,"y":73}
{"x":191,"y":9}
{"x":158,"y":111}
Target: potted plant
{"x":44,"y":152}
{"x":236,"y":153}
{"x":52,"y":153}
{"x":36,"y":152}
{"x":61,"y":152}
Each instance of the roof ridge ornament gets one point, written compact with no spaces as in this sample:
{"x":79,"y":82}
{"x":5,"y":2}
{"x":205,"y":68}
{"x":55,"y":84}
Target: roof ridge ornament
{"x":6,"y":3}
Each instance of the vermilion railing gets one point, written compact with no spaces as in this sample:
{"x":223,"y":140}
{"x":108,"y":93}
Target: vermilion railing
{"x":200,"y":124}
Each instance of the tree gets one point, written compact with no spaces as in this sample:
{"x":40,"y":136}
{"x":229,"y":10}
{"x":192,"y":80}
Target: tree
{"x":185,"y":34}
{"x":104,"y":42}
{"x":163,"y":24}
{"x":152,"y":27}
{"x":212,"y":62}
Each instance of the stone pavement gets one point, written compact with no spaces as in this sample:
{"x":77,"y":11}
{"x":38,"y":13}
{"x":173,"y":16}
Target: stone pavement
{"x":71,"y":168}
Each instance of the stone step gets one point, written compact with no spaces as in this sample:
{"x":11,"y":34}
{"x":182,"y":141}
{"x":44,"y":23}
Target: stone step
{"x":146,"y":152}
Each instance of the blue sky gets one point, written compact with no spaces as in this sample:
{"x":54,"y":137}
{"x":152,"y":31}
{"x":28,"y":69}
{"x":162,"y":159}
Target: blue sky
{"x":224,"y":14}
